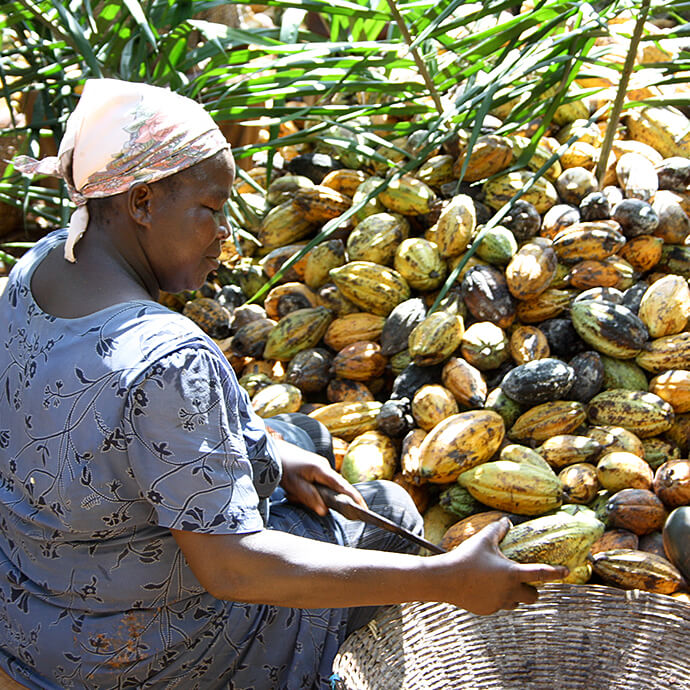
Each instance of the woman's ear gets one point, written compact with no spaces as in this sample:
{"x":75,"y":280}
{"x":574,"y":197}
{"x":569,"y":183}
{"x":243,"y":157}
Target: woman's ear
{"x":139,"y":204}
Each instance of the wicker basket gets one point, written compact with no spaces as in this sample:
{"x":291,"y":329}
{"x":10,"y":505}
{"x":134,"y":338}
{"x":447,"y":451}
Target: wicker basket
{"x":588,"y":637}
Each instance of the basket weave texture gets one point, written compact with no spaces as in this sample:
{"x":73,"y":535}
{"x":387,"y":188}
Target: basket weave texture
{"x":584,"y":637}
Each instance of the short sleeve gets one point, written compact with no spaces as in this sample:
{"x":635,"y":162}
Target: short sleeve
{"x":186,"y":446}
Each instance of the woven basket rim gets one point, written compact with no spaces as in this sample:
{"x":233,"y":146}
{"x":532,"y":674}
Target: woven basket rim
{"x":575,"y":636}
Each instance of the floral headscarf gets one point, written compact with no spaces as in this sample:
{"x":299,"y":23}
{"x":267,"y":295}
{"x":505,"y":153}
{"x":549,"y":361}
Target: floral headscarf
{"x":121,"y":133}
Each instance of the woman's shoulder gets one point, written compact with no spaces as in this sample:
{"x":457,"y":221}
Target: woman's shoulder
{"x":150,"y":332}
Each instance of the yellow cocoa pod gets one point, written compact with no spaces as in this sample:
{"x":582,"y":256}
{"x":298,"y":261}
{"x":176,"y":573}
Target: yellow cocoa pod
{"x":580,"y":482}
{"x":569,"y":449}
{"x":369,"y":456}
{"x":531,"y":269}
{"x":373,"y":205}
{"x":283,"y":224}
{"x":320,"y":260}
{"x":642,"y":252}
{"x":458,"y":443}
{"x":611,"y":438}
{"x":590,"y":240}
{"x":548,"y":419}
{"x":372,"y":287}
{"x":436,"y":171}
{"x":528,"y":343}
{"x":351,"y":328}
{"x":320,"y":204}
{"x":645,"y":414}
{"x":344,"y":180}
{"x":297,"y":331}
{"x":546,"y":305}
{"x":539,"y":156}
{"x":278,"y":398}
{"x":664,"y":128}
{"x":435,"y":338}
{"x":633,"y":569}
{"x":516,"y":487}
{"x":465,"y":382}
{"x":490,"y":155}
{"x":593,"y":273}
{"x":558,"y":539}
{"x":348,"y":419}
{"x":431,"y":404}
{"x":620,"y":470}
{"x":667,"y":352}
{"x":518,"y":453}
{"x":419,"y":262}
{"x":665,"y":306}
{"x":282,"y":188}
{"x":456,"y":226}
{"x":377,"y":237}
{"x":408,"y":196}
{"x":673,"y":386}
{"x":499,"y":191}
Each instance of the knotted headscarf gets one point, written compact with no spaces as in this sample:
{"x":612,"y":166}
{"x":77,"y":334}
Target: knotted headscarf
{"x":122,"y":133}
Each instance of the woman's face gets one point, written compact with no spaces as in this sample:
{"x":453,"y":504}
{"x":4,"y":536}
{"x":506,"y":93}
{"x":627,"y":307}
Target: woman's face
{"x":188,"y":224}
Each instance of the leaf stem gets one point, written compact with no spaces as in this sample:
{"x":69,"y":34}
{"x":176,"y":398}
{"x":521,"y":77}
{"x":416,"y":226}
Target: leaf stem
{"x":617,"y":107}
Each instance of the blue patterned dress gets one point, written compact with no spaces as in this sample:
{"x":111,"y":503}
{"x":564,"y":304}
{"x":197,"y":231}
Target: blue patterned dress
{"x":115,"y":427}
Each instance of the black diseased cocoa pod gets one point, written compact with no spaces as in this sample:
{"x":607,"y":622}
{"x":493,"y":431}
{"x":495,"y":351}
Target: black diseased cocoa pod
{"x":589,"y":376}
{"x":539,"y":381}
{"x":564,"y":342}
{"x":315,"y":166}
{"x":310,"y":370}
{"x":231,"y":297}
{"x":636,"y":217}
{"x":399,"y":324}
{"x":595,"y":206}
{"x":413,"y":377}
{"x":485,"y":292}
{"x":674,"y":174}
{"x":632,"y":297}
{"x":523,"y":220}
{"x":394,"y":418}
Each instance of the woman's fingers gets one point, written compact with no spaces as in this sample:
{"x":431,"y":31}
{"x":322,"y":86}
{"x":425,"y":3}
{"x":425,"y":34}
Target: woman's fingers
{"x":540,"y":572}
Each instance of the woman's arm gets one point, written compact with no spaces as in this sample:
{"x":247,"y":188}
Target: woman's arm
{"x":273,"y":567}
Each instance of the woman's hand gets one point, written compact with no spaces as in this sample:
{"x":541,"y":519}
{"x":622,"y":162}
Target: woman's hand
{"x":302,"y":469}
{"x":485,"y":581}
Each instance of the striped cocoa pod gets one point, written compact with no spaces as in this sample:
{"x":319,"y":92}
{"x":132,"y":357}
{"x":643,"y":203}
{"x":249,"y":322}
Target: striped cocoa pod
{"x":372,"y":287}
{"x":435,"y":338}
{"x":320,"y":204}
{"x":297,"y":331}
{"x":532,"y":269}
{"x":408,"y":196}
{"x":645,"y":414}
{"x":350,"y":328}
{"x":548,"y":419}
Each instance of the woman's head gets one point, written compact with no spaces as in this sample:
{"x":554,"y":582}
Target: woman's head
{"x":122,"y":134}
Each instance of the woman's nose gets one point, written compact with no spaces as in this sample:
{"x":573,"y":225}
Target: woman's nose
{"x":223,"y":226}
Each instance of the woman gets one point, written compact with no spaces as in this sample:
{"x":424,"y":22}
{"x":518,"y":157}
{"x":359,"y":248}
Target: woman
{"x":138,"y":546}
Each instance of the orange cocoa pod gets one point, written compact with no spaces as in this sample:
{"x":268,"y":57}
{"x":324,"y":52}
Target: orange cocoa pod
{"x":615,"y":539}
{"x":637,"y":510}
{"x":672,"y":483}
{"x":468,"y":527}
